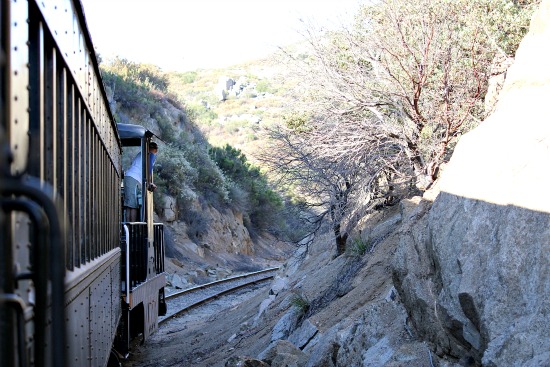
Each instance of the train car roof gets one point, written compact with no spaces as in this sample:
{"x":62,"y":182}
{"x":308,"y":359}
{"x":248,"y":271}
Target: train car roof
{"x":131,"y":135}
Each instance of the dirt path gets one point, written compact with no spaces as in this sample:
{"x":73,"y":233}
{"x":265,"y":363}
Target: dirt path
{"x":205,"y":336}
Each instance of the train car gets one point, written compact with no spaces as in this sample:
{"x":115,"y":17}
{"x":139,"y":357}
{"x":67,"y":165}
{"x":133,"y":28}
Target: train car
{"x":143,"y":277}
{"x":75,"y":279}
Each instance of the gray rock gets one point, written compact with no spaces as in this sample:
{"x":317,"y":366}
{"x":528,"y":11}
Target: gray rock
{"x":286,"y":324}
{"x":243,"y":361}
{"x":231,"y":338}
{"x":322,"y":353}
{"x":378,"y":354}
{"x":279,"y":284}
{"x":372,"y":339}
{"x":169,"y":211}
{"x":263,"y":306}
{"x":283,"y":353}
{"x":474,"y":271}
{"x":378,"y":233}
{"x":191,"y":246}
{"x":221,"y":94}
{"x":226,"y":83}
{"x":302,"y":336}
{"x":288,"y":360}
{"x":178,"y":282}
{"x":391,"y":295}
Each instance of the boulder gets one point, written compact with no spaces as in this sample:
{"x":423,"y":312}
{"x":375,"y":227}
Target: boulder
{"x":282,"y":353}
{"x":225,"y":83}
{"x":263,"y":306}
{"x":473,"y":268}
{"x":286,"y":324}
{"x":191,"y":246}
{"x":303,"y":335}
{"x":226,"y":232}
{"x":279,"y":284}
{"x":178,"y":282}
{"x":169,"y":211}
{"x":243,"y":361}
{"x":323,"y":352}
{"x":370,"y":340}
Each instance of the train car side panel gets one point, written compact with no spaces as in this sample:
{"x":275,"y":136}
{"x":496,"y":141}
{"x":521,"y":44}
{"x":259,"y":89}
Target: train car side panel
{"x":78,"y":330}
{"x":60,"y":205}
{"x":93,"y":310}
{"x":101,"y":330}
{"x":17,"y":81}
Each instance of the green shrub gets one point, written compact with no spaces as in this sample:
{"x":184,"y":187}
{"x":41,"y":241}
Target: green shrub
{"x":201,"y":115}
{"x":300,"y":302}
{"x":137,"y":88}
{"x":359,"y":247}
{"x":197,"y":224}
{"x":184,"y":78}
{"x":233,"y":126}
{"x":175,"y":174}
{"x":263,"y":205}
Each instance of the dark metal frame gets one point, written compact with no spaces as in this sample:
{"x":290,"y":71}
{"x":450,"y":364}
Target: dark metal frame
{"x":59,"y":188}
{"x":143,"y":250}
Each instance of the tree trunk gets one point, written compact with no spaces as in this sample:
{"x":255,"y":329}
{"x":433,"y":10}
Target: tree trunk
{"x":341,"y":240}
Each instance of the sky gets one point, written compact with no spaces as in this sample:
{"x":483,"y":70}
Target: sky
{"x":183,"y":35}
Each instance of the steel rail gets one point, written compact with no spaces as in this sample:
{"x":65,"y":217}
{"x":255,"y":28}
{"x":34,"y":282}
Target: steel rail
{"x":267,"y":274}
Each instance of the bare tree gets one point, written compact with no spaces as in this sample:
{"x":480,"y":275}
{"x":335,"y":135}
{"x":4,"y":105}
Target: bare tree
{"x":331,"y":189}
{"x":420,"y":68}
{"x":384,"y":102}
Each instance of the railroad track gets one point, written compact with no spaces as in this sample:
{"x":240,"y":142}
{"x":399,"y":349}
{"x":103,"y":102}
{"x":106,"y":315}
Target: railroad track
{"x":184,"y":300}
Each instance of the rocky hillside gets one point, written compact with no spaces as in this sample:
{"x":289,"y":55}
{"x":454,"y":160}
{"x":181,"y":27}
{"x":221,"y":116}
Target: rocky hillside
{"x":483,"y":282}
{"x":458,"y":277}
{"x":233,"y":105}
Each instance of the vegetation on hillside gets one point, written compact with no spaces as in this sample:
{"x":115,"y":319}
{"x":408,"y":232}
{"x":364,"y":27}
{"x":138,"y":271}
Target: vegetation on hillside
{"x":249,"y":189}
{"x":359,"y":119}
{"x":239,"y":119}
{"x":187,"y":167}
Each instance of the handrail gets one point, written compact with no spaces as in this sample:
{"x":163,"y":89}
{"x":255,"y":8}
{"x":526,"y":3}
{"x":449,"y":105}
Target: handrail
{"x":18,"y":303}
{"x":39,"y":267}
{"x":127,"y":285}
{"x":57,"y":259}
{"x":137,"y":251}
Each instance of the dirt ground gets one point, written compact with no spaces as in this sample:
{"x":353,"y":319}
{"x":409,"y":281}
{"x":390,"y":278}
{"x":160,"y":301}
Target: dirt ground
{"x":204,"y":336}
{"x":338,"y":288}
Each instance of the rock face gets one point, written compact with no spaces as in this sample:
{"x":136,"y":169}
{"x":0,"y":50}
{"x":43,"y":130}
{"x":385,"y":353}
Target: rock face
{"x":169,"y":208}
{"x":353,"y":317}
{"x":226,"y":233}
{"x":473,"y":269}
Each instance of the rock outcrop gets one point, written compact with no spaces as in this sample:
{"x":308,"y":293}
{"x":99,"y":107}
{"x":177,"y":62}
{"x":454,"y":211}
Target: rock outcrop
{"x":226,"y":232}
{"x":353,"y":315}
{"x":473,"y":270}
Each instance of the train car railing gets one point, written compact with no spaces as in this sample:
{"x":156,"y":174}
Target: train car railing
{"x":134,"y":246}
{"x":159,"y":247}
{"x":134,"y":249}
{"x":47,"y":264}
{"x":75,"y":146}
